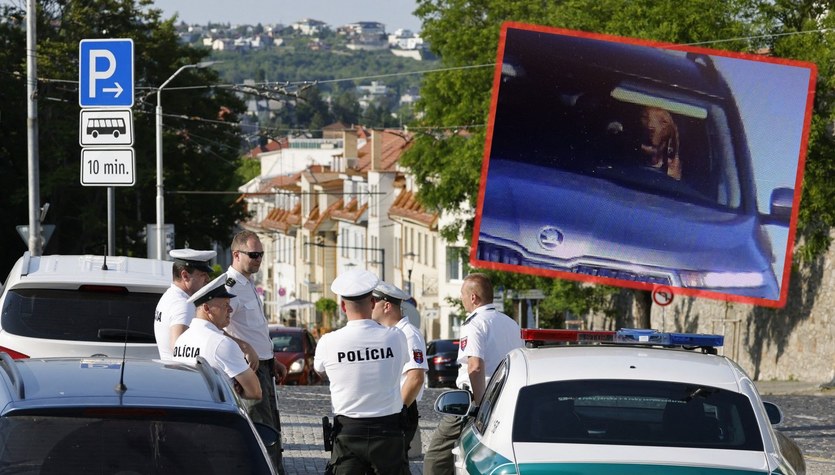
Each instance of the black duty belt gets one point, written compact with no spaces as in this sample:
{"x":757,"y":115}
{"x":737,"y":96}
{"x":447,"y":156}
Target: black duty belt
{"x":367,"y":425}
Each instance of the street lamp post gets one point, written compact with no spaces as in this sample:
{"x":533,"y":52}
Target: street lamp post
{"x":160,"y":197}
{"x":411,"y":256}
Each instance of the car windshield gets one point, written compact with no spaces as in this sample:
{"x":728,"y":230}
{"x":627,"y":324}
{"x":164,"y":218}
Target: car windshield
{"x":113,"y":440}
{"x":286,"y":343}
{"x":80,"y":315}
{"x":616,"y":412}
{"x":443,"y":346}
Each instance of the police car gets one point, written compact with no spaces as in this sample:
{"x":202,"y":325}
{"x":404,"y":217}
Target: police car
{"x":110,"y":415}
{"x":632,"y":402}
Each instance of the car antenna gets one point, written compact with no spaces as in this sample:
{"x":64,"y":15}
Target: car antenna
{"x":104,"y":264}
{"x":120,"y":387}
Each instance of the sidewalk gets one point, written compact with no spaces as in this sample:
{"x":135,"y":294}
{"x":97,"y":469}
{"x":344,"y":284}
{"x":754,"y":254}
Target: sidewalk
{"x":788,"y":388}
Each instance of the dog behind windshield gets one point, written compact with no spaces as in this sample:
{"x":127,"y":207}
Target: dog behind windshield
{"x":660,"y":141}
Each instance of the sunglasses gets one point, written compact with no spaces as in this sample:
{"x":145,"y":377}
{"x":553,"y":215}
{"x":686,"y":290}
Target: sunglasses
{"x":253,"y":254}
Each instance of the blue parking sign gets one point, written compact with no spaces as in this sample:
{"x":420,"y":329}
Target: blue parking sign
{"x":105,"y":75}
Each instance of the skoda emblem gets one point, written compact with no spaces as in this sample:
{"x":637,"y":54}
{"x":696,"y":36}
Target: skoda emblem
{"x":550,"y":237}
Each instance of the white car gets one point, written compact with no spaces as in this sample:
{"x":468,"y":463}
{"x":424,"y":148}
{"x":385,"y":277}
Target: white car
{"x":81,"y":306}
{"x":632,"y":407}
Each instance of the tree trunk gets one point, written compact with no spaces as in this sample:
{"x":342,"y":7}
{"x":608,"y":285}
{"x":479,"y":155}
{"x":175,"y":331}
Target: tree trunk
{"x":642,"y":307}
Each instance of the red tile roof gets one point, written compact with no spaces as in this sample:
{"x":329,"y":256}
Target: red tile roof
{"x":394,"y":144}
{"x":406,"y":206}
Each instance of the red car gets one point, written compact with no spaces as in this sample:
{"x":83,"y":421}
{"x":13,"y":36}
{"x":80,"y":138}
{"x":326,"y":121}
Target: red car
{"x":295,"y":348}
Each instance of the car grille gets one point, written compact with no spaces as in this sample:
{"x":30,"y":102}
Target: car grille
{"x":504,"y":255}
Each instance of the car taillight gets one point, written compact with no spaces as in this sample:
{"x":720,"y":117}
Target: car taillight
{"x":441,"y":360}
{"x":14,"y":354}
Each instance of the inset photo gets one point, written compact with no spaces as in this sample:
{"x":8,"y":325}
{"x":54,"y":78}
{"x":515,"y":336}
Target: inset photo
{"x":636,"y":164}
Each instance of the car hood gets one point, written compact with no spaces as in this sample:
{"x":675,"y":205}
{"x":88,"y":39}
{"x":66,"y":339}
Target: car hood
{"x":599,"y":220}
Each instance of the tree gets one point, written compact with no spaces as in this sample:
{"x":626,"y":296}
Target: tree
{"x":327,"y":307}
{"x":455,"y":103}
{"x":200,"y":138}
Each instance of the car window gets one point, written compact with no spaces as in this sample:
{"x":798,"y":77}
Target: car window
{"x":442,"y":346}
{"x":140,"y":441}
{"x":287,"y":343}
{"x":656,"y":413}
{"x":491,"y":395}
{"x":80,"y":315}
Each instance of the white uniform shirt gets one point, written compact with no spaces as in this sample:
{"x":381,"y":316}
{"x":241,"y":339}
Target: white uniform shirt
{"x":248,"y":321}
{"x":204,"y":339}
{"x":417,"y":352}
{"x":172,"y":309}
{"x":489,"y":335}
{"x":363,"y":361}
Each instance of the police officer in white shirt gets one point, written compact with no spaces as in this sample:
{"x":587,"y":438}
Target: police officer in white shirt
{"x":249,"y":324}
{"x":486,"y":337}
{"x":387,"y":312}
{"x":173,"y":314}
{"x":205,"y":338}
{"x":364,"y":361}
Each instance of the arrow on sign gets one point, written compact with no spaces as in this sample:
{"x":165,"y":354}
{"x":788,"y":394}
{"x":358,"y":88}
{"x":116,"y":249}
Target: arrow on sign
{"x":118,"y":89}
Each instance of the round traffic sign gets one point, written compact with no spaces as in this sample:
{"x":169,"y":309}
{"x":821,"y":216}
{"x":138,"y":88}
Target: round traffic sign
{"x":662,"y":295}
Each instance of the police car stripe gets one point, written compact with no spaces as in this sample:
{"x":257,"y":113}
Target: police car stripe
{"x":624,"y":469}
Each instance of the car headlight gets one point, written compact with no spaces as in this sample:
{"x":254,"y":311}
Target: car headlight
{"x":721,"y":280}
{"x":297,"y":366}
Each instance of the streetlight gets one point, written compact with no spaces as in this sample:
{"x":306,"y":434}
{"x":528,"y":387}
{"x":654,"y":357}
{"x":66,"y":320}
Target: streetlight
{"x":411,"y":256}
{"x":160,"y":198}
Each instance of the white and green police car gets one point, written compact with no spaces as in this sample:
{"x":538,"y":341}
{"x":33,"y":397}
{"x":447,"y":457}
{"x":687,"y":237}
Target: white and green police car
{"x":641,"y":403}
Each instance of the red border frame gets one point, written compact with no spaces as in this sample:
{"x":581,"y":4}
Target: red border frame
{"x":784,"y":285}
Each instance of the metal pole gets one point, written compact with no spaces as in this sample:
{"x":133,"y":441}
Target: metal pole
{"x":111,"y":221}
{"x":35,"y":243}
{"x":160,"y":198}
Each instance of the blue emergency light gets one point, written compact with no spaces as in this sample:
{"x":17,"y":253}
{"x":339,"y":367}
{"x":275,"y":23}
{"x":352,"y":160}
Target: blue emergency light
{"x":654,"y":337}
{"x":539,"y":337}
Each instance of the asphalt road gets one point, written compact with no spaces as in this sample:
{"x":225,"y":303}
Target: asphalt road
{"x":809,"y":420}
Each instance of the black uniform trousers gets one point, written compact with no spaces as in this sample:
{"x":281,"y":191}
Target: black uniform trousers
{"x":265,"y":411}
{"x":411,"y":426}
{"x":368,"y":445}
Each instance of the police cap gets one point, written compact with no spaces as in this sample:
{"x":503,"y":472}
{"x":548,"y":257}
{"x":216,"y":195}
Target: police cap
{"x":212,"y":290}
{"x":356,"y":284}
{"x":193,"y":258}
{"x":389,"y":293}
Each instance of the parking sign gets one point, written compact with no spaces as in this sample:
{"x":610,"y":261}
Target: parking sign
{"x":105,"y":73}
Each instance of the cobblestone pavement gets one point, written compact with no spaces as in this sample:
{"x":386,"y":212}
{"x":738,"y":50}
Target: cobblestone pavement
{"x":809,"y":420}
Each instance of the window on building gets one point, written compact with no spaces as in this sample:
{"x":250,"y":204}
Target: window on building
{"x":375,"y":201}
{"x":434,"y":251}
{"x":454,"y":263}
{"x":398,"y":254}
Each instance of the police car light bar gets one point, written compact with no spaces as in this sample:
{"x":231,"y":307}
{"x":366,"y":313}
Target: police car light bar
{"x":539,"y":337}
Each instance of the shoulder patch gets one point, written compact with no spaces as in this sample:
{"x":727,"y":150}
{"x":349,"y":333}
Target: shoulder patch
{"x":418,"y":356}
{"x":230,"y":282}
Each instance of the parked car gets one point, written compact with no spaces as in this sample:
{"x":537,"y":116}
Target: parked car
{"x":441,"y":355}
{"x":81,"y":306}
{"x":295,"y":348}
{"x":570,"y":190}
{"x":643,"y":404}
{"x":109,"y":415}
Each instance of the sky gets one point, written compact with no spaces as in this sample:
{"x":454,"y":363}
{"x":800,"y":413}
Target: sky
{"x":394,"y":14}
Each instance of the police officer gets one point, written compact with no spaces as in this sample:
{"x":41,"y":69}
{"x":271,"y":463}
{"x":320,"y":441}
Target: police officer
{"x":249,"y":324}
{"x":486,"y":337}
{"x":387,"y":312}
{"x":364,"y":361}
{"x":205,"y":338}
{"x":173,"y":314}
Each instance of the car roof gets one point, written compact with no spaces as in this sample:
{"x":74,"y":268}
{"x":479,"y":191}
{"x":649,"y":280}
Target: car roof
{"x":60,"y":271}
{"x":283,"y":329}
{"x":627,"y":362}
{"x":79,"y":382}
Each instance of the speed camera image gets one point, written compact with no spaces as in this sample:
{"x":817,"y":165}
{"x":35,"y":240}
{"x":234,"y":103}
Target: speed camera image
{"x":636,"y":164}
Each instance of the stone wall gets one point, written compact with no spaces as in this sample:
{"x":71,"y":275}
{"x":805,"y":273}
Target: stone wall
{"x":796,"y":342}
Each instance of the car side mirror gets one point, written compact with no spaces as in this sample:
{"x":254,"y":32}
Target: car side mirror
{"x":781,"y":205}
{"x":454,"y":403}
{"x":775,"y":414}
{"x":269,"y":436}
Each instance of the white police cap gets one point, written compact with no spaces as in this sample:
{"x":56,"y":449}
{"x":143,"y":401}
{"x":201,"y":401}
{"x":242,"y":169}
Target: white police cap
{"x":212,"y":290}
{"x":390,"y":293}
{"x":193,"y":258}
{"x":355,"y":284}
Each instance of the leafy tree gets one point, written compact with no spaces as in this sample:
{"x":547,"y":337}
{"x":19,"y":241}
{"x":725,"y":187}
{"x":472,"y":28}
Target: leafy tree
{"x":200,"y":155}
{"x":327,"y":307}
{"x":455,"y":103}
